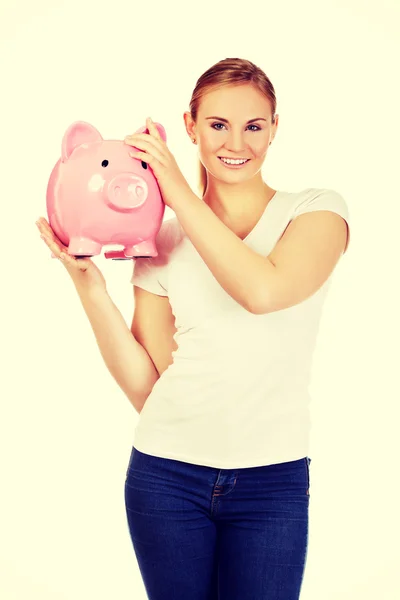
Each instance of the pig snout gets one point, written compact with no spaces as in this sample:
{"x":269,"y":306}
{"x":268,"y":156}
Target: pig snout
{"x":126,"y":192}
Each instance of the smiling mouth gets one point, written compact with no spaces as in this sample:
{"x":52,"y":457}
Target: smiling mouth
{"x":241,"y":159}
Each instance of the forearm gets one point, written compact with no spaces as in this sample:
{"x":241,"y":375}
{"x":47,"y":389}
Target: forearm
{"x":241,"y":271}
{"x":126,"y":359}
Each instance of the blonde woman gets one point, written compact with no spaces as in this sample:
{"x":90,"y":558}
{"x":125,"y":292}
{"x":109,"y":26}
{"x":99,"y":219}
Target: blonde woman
{"x":218,"y":358}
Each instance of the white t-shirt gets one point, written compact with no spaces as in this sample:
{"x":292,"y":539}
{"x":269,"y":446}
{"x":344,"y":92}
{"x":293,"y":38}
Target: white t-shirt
{"x":236,"y":394}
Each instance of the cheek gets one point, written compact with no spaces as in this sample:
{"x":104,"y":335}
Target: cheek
{"x":260,"y":149}
{"x":259,"y":143}
{"x":211,"y":141}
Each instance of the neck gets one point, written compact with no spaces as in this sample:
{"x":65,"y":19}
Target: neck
{"x":232,"y":202}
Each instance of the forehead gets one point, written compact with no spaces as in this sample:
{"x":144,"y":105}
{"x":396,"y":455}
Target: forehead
{"x":235,"y":102}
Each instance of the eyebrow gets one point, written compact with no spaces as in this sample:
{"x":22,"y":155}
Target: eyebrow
{"x":226,"y":120}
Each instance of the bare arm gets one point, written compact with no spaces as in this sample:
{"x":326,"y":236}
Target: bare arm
{"x":153,"y":325}
{"x":125,"y":358}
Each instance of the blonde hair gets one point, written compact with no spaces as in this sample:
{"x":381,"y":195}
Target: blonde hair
{"x":229,"y":71}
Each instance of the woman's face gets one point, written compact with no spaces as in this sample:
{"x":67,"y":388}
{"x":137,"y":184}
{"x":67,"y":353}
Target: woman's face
{"x":230,"y":135}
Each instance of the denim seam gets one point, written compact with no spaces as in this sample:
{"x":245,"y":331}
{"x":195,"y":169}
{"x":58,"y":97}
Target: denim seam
{"x":308,"y":476}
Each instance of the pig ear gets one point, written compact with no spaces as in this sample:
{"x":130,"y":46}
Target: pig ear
{"x":160,"y":129}
{"x":77,"y":134}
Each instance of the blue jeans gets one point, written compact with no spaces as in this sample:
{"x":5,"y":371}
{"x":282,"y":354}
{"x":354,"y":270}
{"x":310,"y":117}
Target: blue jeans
{"x":202,"y":533}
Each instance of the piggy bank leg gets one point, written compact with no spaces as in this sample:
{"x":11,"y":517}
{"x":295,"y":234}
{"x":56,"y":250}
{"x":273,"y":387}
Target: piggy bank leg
{"x":143,"y":249}
{"x":120,"y":255}
{"x":116,"y":255}
{"x":83,"y":247}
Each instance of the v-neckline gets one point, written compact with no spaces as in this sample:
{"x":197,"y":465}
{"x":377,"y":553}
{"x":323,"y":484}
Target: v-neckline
{"x":252,"y":231}
{"x":261,"y":218}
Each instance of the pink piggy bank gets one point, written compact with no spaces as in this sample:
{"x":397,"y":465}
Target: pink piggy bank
{"x":98,"y":194}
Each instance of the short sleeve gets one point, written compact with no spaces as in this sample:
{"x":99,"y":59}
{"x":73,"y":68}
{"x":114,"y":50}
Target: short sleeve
{"x":324,"y":199}
{"x":151,"y":273}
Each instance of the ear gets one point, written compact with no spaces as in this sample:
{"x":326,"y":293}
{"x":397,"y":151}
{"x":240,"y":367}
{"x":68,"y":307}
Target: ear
{"x":160,"y":130}
{"x":189,"y":123}
{"x":77,"y":134}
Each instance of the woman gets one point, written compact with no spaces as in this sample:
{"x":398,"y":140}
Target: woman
{"x":218,"y":366}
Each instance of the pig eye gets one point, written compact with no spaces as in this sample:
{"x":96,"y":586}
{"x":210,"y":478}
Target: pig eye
{"x":105,"y":164}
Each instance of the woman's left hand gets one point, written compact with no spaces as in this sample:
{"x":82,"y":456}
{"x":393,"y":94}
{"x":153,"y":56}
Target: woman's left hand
{"x":154,"y":151}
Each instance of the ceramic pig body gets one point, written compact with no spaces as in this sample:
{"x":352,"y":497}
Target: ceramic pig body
{"x":98,"y":194}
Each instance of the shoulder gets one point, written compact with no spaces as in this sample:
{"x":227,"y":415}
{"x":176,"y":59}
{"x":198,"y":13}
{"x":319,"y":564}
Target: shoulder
{"x":167,"y":238}
{"x":170,"y":234}
{"x":311,"y":199}
{"x":151,"y":272}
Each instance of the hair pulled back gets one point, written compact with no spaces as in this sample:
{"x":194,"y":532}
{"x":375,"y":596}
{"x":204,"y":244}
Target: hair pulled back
{"x":227,"y":72}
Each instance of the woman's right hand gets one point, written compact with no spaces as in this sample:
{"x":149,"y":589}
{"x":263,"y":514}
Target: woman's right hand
{"x":83,"y":271}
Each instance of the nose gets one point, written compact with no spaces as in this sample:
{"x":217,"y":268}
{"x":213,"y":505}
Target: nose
{"x":126,"y":191}
{"x":235,"y":142}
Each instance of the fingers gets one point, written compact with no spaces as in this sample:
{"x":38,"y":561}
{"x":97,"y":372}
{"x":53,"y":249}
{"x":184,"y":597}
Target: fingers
{"x":54,"y":247}
{"x":59,"y":250}
{"x":47,"y":233}
{"x":44,"y":227}
{"x":48,"y":236}
{"x":146,"y":142}
{"x":153,"y":129}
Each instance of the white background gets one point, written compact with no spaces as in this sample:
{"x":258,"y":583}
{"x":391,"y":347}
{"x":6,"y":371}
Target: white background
{"x":66,"y":429}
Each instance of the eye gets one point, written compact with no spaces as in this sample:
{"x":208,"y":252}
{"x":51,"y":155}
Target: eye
{"x":256,"y":127}
{"x":144,"y":164}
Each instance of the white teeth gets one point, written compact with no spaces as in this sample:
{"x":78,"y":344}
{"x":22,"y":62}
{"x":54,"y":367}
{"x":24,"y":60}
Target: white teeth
{"x":230,"y":161}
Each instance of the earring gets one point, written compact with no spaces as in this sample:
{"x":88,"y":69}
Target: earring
{"x":194,"y":140}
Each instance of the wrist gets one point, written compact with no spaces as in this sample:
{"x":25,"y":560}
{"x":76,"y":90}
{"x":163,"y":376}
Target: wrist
{"x":92,"y":291}
{"x":184,"y":199}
